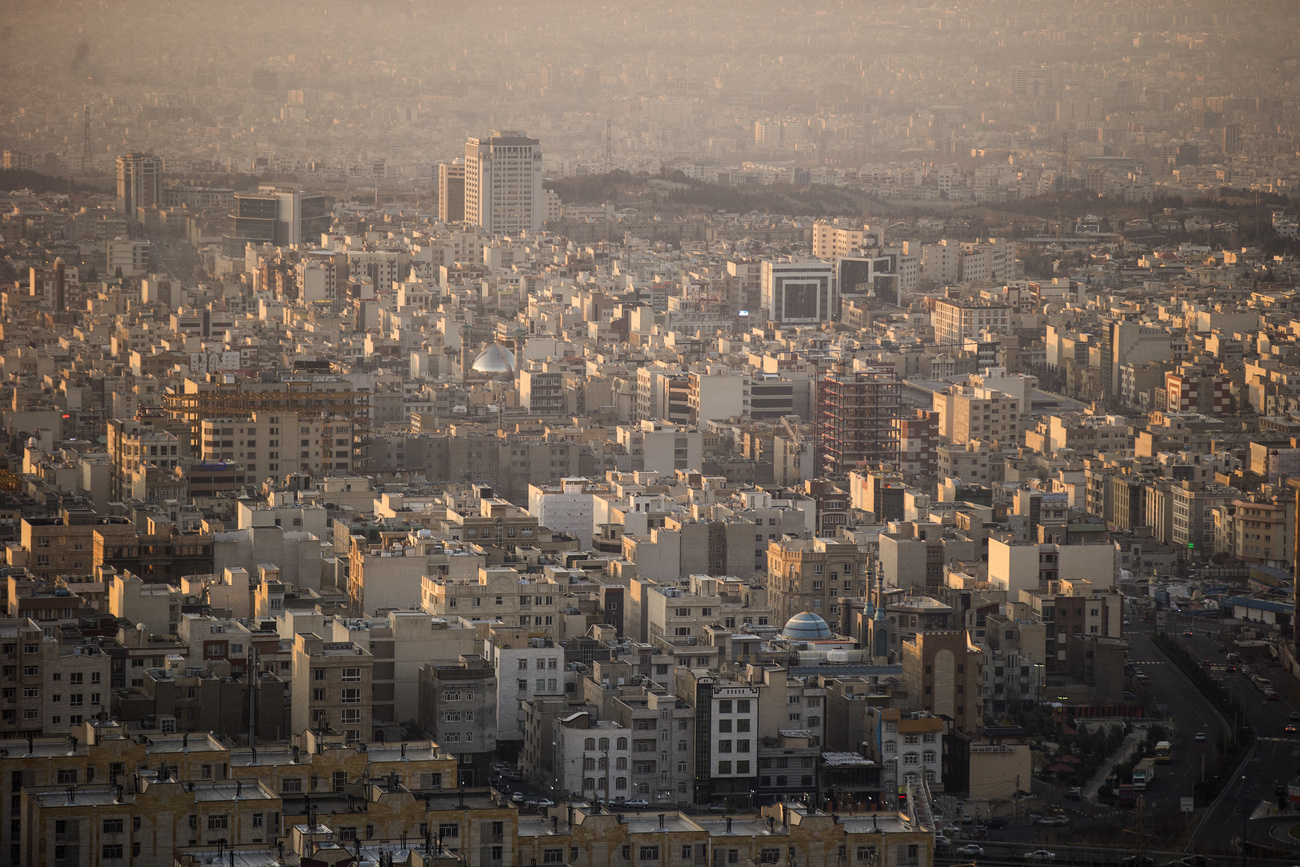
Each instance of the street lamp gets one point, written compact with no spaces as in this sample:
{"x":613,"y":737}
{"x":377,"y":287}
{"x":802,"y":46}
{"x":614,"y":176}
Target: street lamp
{"x":1245,"y":816}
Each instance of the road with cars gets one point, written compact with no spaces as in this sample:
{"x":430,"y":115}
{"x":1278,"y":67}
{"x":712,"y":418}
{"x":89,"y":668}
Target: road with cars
{"x":1271,"y":763}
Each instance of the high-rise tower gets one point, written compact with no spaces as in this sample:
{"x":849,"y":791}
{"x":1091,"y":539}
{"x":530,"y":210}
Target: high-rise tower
{"x":139,"y":182}
{"x":503,"y":182}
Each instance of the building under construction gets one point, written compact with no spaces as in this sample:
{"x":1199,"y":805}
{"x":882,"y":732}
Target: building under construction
{"x":304,"y":395}
{"x":857,"y":419}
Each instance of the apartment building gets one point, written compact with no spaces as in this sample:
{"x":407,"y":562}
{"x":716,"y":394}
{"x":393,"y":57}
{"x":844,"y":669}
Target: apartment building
{"x":458,"y":709}
{"x":967,"y":413}
{"x":526,"y":667}
{"x":812,"y":575}
{"x":273,"y":445}
{"x":943,"y":673}
{"x":332,"y":687}
{"x":726,"y":736}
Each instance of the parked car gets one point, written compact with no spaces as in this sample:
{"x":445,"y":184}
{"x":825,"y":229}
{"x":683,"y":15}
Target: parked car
{"x":1053,"y":820}
{"x":1040,"y":855}
{"x":636,"y":803}
{"x":517,"y":797}
{"x":996,"y":824}
{"x":1200,"y":736}
{"x":941,"y":842}
{"x":970,"y":849}
{"x":981,"y":832}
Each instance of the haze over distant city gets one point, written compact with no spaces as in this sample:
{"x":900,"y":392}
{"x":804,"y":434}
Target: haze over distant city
{"x":649,"y":434}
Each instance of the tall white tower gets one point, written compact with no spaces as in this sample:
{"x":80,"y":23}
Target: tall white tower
{"x":503,"y":182}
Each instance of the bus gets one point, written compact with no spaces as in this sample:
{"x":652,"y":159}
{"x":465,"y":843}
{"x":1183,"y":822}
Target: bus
{"x":1164,"y":752}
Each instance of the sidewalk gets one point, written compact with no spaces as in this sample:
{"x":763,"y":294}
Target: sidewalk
{"x":1122,"y":754}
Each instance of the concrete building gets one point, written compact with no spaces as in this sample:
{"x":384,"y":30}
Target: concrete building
{"x":503,"y":182}
{"x":332,"y":687}
{"x":458,"y":709}
{"x":943,"y":673}
{"x":813,"y":575}
{"x":798,"y":293}
{"x":451,"y":192}
{"x":139,"y":183}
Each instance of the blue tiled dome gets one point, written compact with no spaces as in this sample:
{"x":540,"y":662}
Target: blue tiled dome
{"x":807,"y":626}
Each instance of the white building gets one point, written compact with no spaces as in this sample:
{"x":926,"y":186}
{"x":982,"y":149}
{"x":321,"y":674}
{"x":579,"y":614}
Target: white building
{"x":566,"y":508}
{"x":503,"y":182}
{"x":526,"y":667}
{"x":798,"y":293}
{"x":592,"y":758}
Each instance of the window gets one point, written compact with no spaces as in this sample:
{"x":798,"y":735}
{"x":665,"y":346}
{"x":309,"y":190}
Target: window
{"x":291,"y":785}
{"x":552,"y":856}
{"x":351,"y":675}
{"x":114,"y":826}
{"x":724,"y":767}
{"x":113,"y":850}
{"x":66,"y":777}
{"x":351,"y":696}
{"x":648,"y":853}
{"x":448,"y":830}
{"x":218,"y":822}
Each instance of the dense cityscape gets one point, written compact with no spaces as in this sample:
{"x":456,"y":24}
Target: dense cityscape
{"x":506,"y":435}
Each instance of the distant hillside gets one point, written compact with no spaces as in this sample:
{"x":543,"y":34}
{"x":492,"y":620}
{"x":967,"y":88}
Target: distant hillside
{"x":676,"y":192}
{"x":24,"y":179}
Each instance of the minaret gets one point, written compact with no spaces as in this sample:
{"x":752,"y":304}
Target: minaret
{"x":465,"y":332}
{"x":880,"y":626}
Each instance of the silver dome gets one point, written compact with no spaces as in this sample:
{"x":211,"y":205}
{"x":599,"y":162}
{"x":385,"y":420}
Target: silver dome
{"x":493,"y":360}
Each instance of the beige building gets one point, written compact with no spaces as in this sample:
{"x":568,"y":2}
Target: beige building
{"x":967,"y":413}
{"x":943,"y":673}
{"x":812,"y":575}
{"x":332,"y":687}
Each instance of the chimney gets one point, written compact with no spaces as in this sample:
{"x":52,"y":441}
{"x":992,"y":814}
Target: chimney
{"x":728,"y":824}
{"x":661,"y":822}
{"x":403,"y":750}
{"x":239,"y":788}
{"x":555,"y":824}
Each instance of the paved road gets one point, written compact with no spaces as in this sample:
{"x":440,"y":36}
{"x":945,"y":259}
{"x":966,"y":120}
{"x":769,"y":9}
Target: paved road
{"x":1271,"y":764}
{"x":1191,"y":713}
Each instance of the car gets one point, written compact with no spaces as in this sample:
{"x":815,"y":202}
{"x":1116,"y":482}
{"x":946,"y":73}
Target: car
{"x":717,"y":808}
{"x":1138,"y":861}
{"x":636,"y":803}
{"x":1040,"y":855}
{"x":941,"y":842}
{"x":981,"y":832}
{"x":996,"y":824}
{"x":1052,"y":820}
{"x":1200,"y":737}
{"x":1189,"y":633}
{"x":517,"y":797}
{"x":967,"y":819}
{"x":1272,"y":695}
{"x":1295,"y":716}
{"x":970,"y":849}
{"x":1290,"y":729}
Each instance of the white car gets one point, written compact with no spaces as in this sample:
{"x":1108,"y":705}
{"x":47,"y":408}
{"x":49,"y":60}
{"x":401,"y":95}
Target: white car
{"x":941,"y":842}
{"x":970,"y":849}
{"x":1200,"y":736}
{"x":636,"y":802}
{"x":1040,"y":855}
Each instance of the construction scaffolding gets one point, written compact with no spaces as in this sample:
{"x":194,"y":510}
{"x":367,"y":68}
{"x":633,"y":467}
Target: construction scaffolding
{"x":857,"y":420}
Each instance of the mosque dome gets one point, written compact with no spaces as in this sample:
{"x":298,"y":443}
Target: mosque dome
{"x":495,"y":359}
{"x":806,"y":626}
